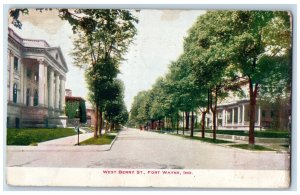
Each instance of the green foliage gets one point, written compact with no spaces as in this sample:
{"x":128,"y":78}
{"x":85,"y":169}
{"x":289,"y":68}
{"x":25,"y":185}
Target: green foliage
{"x":263,"y":134}
{"x":251,"y":147}
{"x":82,"y":112}
{"x":72,"y":108}
{"x":140,"y":108}
{"x":104,"y":140}
{"x":76,"y":109}
{"x":210,"y":140}
{"x":31,"y":136}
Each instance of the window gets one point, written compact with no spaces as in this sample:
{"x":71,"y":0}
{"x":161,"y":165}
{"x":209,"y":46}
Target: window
{"x":263,"y":113}
{"x":27,"y":97}
{"x":16,"y":63}
{"x":29,"y":73}
{"x":36,"y":98}
{"x":272,"y":113}
{"x":56,"y":56}
{"x":15,"y":93}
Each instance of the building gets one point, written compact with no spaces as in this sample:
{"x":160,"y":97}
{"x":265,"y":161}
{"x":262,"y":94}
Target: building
{"x":233,"y":113}
{"x":36,"y":76}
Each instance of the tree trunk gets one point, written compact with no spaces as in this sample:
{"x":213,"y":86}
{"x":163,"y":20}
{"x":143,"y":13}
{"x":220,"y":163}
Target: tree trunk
{"x":152,"y":124}
{"x":111,"y":126}
{"x":196,"y":122}
{"x":159,"y":125}
{"x":214,"y":111}
{"x":96,"y":122}
{"x":182,"y":123}
{"x":253,"y":95}
{"x":100,"y":127}
{"x":187,"y":120}
{"x":192,"y":125}
{"x":177,"y":128}
{"x":203,"y":124}
{"x":214,"y":124}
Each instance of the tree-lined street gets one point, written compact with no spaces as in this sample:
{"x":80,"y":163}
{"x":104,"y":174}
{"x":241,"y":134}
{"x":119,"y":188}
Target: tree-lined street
{"x":141,"y":149}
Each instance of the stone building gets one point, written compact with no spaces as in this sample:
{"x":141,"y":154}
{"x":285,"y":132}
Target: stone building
{"x":36,"y":76}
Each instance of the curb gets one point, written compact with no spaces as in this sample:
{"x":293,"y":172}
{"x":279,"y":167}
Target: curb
{"x":226,"y":145}
{"x":92,"y":148}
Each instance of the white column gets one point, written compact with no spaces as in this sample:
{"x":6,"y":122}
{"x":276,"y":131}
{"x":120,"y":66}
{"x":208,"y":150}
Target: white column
{"x":56,"y":102}
{"x":243,"y":115}
{"x":11,"y":76}
{"x":51,"y":88}
{"x":21,"y":79}
{"x":62,"y":93}
{"x":46,"y":85}
{"x":41,"y":90}
{"x":258,"y":118}
{"x":24,"y":83}
{"x":232,"y":119}
{"x":223,"y":117}
{"x":239,"y":115}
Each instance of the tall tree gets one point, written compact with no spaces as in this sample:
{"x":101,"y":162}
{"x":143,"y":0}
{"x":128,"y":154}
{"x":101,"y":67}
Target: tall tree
{"x":260,"y":41}
{"x":103,"y":38}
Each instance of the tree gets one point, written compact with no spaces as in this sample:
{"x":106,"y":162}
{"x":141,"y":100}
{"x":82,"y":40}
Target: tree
{"x":103,"y":38}
{"x":260,"y":41}
{"x":233,"y":45}
{"x":208,"y":58}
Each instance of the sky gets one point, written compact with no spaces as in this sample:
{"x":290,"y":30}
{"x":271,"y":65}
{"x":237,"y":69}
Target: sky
{"x":158,"y":42}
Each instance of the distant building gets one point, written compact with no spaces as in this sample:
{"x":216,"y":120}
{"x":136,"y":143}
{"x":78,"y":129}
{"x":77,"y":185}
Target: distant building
{"x":36,"y":76}
{"x":68,"y":93}
{"x":91,"y":117}
{"x":75,"y":109}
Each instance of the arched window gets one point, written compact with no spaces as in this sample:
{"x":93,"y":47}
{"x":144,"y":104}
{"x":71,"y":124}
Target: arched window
{"x":15,"y":93}
{"x":36,"y":98}
{"x":28,"y":97}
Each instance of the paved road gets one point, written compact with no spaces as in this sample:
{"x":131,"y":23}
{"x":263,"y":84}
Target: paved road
{"x":142,"y":149}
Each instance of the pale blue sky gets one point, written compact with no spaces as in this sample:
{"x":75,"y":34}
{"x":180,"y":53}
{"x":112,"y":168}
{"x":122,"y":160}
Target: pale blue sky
{"x":158,"y":42}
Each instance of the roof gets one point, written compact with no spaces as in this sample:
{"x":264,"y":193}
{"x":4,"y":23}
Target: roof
{"x":40,"y":44}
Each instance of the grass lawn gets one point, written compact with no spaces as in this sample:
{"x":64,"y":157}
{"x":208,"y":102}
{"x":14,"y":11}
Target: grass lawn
{"x":263,"y":134}
{"x":210,"y":140}
{"x":251,"y":147}
{"x":104,"y":139}
{"x":32,"y":136}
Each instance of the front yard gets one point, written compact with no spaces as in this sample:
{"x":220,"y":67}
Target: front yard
{"x":104,"y":139}
{"x":262,"y":134}
{"x":32,"y":136}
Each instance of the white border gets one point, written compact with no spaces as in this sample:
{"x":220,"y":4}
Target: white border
{"x":155,"y":4}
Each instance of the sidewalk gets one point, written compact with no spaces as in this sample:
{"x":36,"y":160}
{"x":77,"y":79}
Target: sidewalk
{"x":67,"y":141}
{"x":63,"y":144}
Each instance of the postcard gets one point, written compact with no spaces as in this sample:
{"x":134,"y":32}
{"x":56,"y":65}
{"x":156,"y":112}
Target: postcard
{"x":148,"y":98}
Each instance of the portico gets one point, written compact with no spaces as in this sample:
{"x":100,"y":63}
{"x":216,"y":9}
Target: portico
{"x":36,"y":81}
